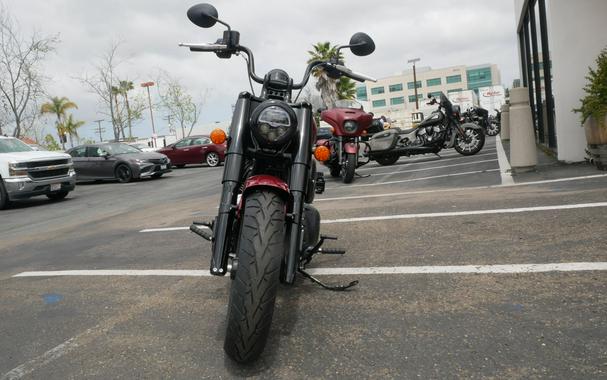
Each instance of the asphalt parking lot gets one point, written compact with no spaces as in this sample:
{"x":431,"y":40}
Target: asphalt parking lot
{"x":460,"y":277}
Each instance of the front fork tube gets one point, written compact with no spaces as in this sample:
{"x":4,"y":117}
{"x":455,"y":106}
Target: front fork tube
{"x":230,"y":185}
{"x":300,"y":172}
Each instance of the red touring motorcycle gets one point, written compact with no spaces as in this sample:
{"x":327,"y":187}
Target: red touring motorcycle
{"x":348,"y":122}
{"x":266,"y":231}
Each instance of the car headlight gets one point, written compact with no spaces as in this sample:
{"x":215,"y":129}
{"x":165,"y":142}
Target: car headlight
{"x":273,"y":123}
{"x":14,"y":170}
{"x":350,"y":126}
{"x":140,"y":162}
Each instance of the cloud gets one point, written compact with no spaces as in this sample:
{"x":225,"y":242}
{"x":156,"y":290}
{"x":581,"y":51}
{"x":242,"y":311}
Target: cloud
{"x":442,"y":33}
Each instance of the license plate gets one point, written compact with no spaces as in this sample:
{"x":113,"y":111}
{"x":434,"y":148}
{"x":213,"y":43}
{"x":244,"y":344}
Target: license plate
{"x":163,"y":167}
{"x":55,"y":186}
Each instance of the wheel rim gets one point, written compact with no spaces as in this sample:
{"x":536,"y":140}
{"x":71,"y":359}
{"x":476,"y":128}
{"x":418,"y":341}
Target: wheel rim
{"x":492,"y":129}
{"x":471,"y":142}
{"x":212,"y":159}
{"x":124,"y":173}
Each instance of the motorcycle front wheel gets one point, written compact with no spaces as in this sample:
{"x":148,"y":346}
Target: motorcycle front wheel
{"x":493,"y":129}
{"x":472,"y":144}
{"x":349,"y":168}
{"x":253,"y":291}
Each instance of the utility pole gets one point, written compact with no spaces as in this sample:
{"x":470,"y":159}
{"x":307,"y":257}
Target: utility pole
{"x":147,"y":85}
{"x":99,"y":129}
{"x":415,"y":81}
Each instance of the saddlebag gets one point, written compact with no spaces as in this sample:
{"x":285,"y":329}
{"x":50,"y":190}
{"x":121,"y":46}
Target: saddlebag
{"x":384,"y":141}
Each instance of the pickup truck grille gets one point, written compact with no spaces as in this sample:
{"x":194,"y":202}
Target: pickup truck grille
{"x":37,"y":164}
{"x":49,"y":173}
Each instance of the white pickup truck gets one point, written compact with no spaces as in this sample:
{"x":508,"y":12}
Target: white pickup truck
{"x":26,"y":173}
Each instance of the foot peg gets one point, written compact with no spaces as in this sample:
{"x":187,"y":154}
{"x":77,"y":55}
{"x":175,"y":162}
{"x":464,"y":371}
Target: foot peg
{"x":196,"y":228}
{"x":335,"y":288}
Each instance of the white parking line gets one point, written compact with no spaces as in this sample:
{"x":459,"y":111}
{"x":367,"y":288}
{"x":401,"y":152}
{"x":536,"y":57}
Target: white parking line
{"x":462,"y":189}
{"x":435,"y":269}
{"x":435,"y":167}
{"x":505,"y":169}
{"x":426,"y":160}
{"x":415,"y":179}
{"x":472,"y":212}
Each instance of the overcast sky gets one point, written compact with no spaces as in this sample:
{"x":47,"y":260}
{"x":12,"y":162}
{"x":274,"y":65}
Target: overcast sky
{"x":441,"y":32}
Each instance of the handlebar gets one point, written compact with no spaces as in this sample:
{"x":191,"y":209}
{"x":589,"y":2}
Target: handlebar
{"x":223,"y":48}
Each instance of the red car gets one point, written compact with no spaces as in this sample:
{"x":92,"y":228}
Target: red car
{"x":195,"y":150}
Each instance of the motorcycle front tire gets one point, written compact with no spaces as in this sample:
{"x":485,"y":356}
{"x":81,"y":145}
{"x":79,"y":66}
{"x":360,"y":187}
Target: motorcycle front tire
{"x":253,"y":291}
{"x":349,"y":168}
{"x":493,"y":129}
{"x":479,"y":134}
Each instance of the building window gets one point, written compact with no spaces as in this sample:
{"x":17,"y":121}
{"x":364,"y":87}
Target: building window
{"x":454,"y":79}
{"x":377,"y":90}
{"x":410,"y":85}
{"x":361,"y":93}
{"x":412,"y":98}
{"x":379,"y":103}
{"x":435,"y":94}
{"x":479,"y":78}
{"x":433,"y":82}
{"x":395,"y":87}
{"x":397,"y":101}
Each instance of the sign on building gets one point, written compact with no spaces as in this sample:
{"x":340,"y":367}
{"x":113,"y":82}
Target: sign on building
{"x":492,"y":98}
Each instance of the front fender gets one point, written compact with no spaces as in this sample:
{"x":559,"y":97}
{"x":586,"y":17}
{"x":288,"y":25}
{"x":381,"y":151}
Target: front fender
{"x":471,"y":126}
{"x":267,"y":181}
{"x":351,"y":148}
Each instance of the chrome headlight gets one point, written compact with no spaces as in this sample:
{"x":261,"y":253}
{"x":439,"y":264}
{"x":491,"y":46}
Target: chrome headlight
{"x":350,"y":126}
{"x":273,"y":123}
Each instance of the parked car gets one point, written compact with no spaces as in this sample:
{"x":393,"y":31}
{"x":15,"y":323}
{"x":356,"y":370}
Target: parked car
{"x":143,"y":147}
{"x":117,"y":161}
{"x":26,"y":173}
{"x":195,"y":150}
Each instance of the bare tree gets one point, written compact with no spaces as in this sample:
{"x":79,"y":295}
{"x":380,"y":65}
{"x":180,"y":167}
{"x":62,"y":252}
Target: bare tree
{"x":101,"y":83}
{"x":179,"y":104}
{"x":20,"y":77}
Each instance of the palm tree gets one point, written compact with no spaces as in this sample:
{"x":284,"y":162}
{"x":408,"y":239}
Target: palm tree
{"x":125,"y":87}
{"x":70,"y":127}
{"x":58,"y":106}
{"x":346,"y":88}
{"x":323,"y":51}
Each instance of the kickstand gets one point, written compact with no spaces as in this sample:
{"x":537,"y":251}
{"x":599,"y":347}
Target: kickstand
{"x":437,"y":155}
{"x":335,"y":288}
{"x":362,"y":176}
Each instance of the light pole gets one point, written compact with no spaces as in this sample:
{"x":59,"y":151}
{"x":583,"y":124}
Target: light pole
{"x":415,"y":81}
{"x":99,"y":129}
{"x":147,"y":85}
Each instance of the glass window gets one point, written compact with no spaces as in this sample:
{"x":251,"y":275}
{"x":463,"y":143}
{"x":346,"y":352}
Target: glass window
{"x":78,"y":152}
{"x":433,"y":82}
{"x":412,"y":98}
{"x":410,"y":85}
{"x":182,"y":143}
{"x":198,"y":141}
{"x":379,"y":103}
{"x":396,"y":101}
{"x":454,"y":90}
{"x":479,"y":78}
{"x":94,"y":151}
{"x":377,"y":90}
{"x":396,"y":87}
{"x":13,"y":145}
{"x":435,"y":94}
{"x":361,"y":92}
{"x":454,"y":79}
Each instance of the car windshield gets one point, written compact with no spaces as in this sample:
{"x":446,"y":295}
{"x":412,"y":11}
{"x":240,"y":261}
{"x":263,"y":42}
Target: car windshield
{"x":139,"y":146}
{"x":353,"y":104}
{"x":120,"y":149}
{"x":13,"y":145}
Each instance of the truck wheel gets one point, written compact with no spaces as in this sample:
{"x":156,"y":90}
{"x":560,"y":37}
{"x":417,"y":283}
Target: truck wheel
{"x":58,"y":195}
{"x":4,"y":202}
{"x":253,"y":291}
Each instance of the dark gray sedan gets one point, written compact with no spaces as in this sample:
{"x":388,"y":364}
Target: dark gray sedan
{"x":117,"y":161}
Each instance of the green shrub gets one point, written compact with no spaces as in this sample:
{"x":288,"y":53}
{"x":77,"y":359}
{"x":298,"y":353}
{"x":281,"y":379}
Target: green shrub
{"x":595,"y":102}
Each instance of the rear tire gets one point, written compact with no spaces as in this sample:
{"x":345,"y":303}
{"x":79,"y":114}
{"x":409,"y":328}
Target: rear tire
{"x":387,"y":160}
{"x":4,"y":201}
{"x":253,"y":291}
{"x":472,"y":147}
{"x":58,"y":195}
{"x":349,"y":168}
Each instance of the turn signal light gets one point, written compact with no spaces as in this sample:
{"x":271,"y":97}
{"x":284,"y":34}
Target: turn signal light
{"x":218,"y":136}
{"x":364,"y":133}
{"x":322,"y":153}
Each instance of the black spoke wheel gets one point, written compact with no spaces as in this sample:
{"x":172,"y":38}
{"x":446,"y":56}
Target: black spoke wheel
{"x":493,"y":129}
{"x":58,"y":195}
{"x":212,"y":159}
{"x":348,"y":168}
{"x":4,"y":202}
{"x":253,"y":291}
{"x":472,"y":143}
{"x":387,"y":160}
{"x":124,"y":173}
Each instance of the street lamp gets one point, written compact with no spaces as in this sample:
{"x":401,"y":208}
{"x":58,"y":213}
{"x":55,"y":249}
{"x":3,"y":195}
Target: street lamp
{"x":415,"y":81}
{"x":147,"y":85}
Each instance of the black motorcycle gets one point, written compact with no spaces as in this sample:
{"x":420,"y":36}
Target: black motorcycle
{"x":266,"y":231}
{"x":480,"y":116}
{"x":441,"y":130}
